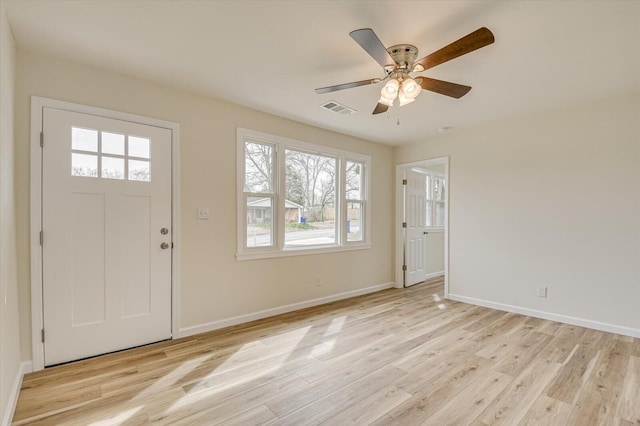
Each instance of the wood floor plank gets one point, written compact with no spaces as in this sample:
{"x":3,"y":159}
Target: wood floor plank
{"x":371,"y":408}
{"x":573,"y":375}
{"x":511,"y":405}
{"x":459,"y":357}
{"x":549,"y":412}
{"x":259,"y":415}
{"x":334,"y":403}
{"x":564,"y":343}
{"x":426,"y":400}
{"x":284,"y":404}
{"x":598,"y":399}
{"x":474,"y":397}
{"x":398,"y":356}
{"x":517,"y":359}
{"x":205,"y":407}
{"x":629,"y":404}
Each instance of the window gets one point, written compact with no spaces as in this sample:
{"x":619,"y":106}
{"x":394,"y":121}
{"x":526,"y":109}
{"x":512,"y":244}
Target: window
{"x":102,"y":154}
{"x":354,"y":199}
{"x":299,"y":198}
{"x":435,"y":199}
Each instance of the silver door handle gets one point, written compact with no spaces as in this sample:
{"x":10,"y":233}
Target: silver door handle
{"x":164,"y":231}
{"x":164,"y":246}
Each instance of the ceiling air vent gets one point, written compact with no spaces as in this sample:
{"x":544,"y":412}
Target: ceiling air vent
{"x":338,"y":108}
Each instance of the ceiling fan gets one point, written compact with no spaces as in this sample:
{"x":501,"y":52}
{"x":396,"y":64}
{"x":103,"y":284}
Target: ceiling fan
{"x":399,"y":62}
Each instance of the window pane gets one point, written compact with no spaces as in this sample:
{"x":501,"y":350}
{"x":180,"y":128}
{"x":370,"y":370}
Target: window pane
{"x":429,"y":215}
{"x":139,"y":170}
{"x":112,"y":143}
{"x":310,"y":183}
{"x":354,"y":179}
{"x":259,"y":221}
{"x":84,"y":165}
{"x":112,"y":168}
{"x":440,"y":214}
{"x":84,"y":139}
{"x":354,"y":222}
{"x":258,"y":167}
{"x":428,"y":186}
{"x":138,"y":147}
{"x":438,"y":188}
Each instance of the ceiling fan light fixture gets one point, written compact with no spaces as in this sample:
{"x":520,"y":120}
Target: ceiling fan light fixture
{"x":403,"y":99}
{"x":387,"y":102}
{"x":390,"y":90}
{"x":410,"y":88}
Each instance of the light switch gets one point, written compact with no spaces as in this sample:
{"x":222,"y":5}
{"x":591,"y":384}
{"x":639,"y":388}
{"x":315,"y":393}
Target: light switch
{"x":203,"y":213}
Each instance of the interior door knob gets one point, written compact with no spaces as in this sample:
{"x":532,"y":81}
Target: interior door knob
{"x":164,"y":246}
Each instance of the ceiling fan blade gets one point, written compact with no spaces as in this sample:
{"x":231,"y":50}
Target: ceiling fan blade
{"x":346,"y":86}
{"x":380,"y":108}
{"x":477,"y":39}
{"x":370,"y":42}
{"x":443,"y":87}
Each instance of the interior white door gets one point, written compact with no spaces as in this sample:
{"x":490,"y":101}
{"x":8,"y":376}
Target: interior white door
{"x":106,"y":213}
{"x":415,"y":236}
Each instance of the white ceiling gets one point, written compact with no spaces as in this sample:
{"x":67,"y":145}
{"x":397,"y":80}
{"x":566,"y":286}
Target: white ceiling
{"x":270,"y":55}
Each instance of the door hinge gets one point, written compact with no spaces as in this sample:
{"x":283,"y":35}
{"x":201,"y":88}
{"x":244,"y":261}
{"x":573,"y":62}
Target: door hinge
{"x":404,"y":224}
{"x":42,"y":335}
{"x":41,"y":139}
{"x":404,"y":181}
{"x":41,"y":238}
{"x":404,"y":268}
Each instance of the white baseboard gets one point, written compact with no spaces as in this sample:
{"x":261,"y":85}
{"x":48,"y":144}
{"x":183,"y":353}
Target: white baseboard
{"x":581,"y":322}
{"x":203,"y":328}
{"x":434,"y":274}
{"x":25,"y":368}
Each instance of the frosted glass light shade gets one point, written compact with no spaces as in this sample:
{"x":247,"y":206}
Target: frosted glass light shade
{"x":390,"y":90}
{"x":410,"y":88}
{"x":403,"y":99}
{"x":387,"y":102}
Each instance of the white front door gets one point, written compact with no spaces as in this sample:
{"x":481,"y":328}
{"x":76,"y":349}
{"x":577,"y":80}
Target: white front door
{"x":106,"y":220}
{"x":415,"y":236}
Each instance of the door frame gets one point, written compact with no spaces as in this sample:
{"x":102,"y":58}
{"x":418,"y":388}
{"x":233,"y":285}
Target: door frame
{"x":37,"y":105}
{"x":400,"y":206}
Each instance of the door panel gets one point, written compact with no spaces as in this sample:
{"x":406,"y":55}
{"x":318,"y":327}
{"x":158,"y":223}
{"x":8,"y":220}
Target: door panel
{"x":415,"y":211}
{"x":106,"y":196}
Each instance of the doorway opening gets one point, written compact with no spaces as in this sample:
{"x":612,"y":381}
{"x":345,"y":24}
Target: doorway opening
{"x":422,"y":222}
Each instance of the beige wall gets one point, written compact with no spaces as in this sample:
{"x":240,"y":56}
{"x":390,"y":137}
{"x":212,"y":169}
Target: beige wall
{"x":214,"y":285}
{"x":547,"y":199}
{"x":10,"y":356}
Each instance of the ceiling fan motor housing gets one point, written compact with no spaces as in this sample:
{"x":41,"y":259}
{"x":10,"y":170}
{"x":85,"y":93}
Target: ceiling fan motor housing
{"x":404,"y":55}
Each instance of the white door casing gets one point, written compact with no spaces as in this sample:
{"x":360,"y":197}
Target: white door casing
{"x":106,"y":280}
{"x":415,"y":218}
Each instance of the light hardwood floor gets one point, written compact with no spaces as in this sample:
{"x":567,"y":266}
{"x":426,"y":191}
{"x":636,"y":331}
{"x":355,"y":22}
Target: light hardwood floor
{"x":396,"y":357}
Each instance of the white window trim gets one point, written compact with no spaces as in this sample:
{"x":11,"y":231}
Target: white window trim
{"x":278,"y":249}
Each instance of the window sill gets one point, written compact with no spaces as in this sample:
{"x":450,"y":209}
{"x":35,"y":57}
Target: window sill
{"x":301,"y":251}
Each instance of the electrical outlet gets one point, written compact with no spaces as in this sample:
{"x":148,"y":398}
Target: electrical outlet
{"x":542,"y":291}
{"x":203,"y":213}
{"x":319,"y":280}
